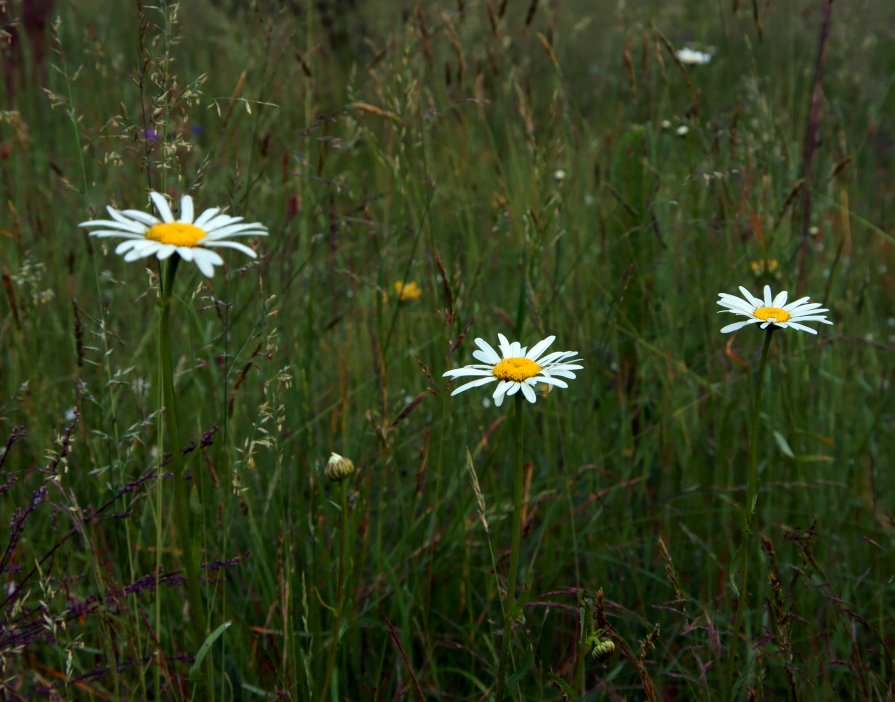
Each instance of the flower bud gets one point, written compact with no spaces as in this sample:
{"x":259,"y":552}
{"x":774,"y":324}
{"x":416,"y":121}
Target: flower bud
{"x":338,"y":468}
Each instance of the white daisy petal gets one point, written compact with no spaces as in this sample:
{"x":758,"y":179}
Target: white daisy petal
{"x":186,"y":209}
{"x":468,"y":370}
{"x":574,"y":364}
{"x":480,"y":355}
{"x":802,"y":327}
{"x":500,"y":392}
{"x":161,"y":204}
{"x":562,"y":373}
{"x":737,"y":325}
{"x":205,"y":266}
{"x":232,"y":245}
{"x":142,"y":217}
{"x":117,"y":216}
{"x":750,"y":297}
{"x":811,"y":318}
{"x":490,"y":355}
{"x":220,"y":221}
{"x":795,"y":303}
{"x":555,"y":357}
{"x":132,"y":227}
{"x":529,"y":392}
{"x":208,"y":255}
{"x":139,"y":252}
{"x":540,"y":347}
{"x":548,"y":380}
{"x":505,"y":348}
{"x":165,"y":251}
{"x":473,"y":384}
{"x":126,"y":246}
{"x":206,"y":260}
{"x":242,"y":229}
{"x":104,"y":234}
{"x":735,"y":304}
{"x":801,"y":309}
{"x":203,"y":218}
{"x":780,"y":300}
{"x":514,"y":388}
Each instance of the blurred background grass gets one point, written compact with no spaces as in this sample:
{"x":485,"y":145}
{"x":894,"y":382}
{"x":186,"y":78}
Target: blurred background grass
{"x":536,"y":168}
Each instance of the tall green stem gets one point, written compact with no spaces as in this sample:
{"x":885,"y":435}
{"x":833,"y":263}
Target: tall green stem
{"x":752,"y":486}
{"x":751,"y":498}
{"x":340,"y":591}
{"x":173,"y":446}
{"x":510,"y":611}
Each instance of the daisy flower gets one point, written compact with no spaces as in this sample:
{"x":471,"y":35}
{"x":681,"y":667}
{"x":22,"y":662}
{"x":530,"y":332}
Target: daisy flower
{"x":517,"y":369}
{"x":772,"y":310}
{"x":191,"y":239}
{"x":692,"y":57}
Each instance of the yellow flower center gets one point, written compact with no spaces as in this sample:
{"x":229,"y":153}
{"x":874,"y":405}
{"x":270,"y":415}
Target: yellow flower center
{"x":517,"y":369}
{"x":772,"y":314}
{"x":176,"y":234}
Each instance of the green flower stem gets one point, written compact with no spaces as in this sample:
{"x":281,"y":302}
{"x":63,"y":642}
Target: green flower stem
{"x":510,"y":611}
{"x":751,"y":496}
{"x":340,"y":592}
{"x":753,"y":434}
{"x":173,"y":445}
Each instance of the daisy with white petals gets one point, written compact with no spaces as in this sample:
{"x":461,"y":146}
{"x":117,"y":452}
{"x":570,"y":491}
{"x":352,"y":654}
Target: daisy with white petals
{"x":168,"y":239}
{"x":692,"y":57}
{"x":191,"y":239}
{"x":772,"y":310}
{"x":517,"y":369}
{"x":769,"y":312}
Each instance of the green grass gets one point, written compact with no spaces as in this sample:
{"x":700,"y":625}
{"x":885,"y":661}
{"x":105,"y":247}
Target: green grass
{"x":424,"y":143}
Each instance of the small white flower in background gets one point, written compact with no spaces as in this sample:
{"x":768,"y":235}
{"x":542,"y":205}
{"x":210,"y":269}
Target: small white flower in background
{"x":665,"y":124}
{"x":559,"y":175}
{"x":191,"y":239}
{"x":682,"y":131}
{"x":692,"y":57}
{"x":772,"y":310}
{"x":517,"y":369}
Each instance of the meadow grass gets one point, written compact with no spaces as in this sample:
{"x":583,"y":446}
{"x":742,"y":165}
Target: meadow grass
{"x":536,"y":169}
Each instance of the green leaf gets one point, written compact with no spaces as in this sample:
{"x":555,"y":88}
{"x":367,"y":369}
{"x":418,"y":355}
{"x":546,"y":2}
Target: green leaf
{"x":567,"y":690}
{"x":784,"y":445}
{"x":205,"y":648}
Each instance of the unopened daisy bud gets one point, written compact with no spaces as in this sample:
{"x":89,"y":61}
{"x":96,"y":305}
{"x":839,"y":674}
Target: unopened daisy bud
{"x":600,"y":648}
{"x":603,"y":649}
{"x":338,"y":468}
